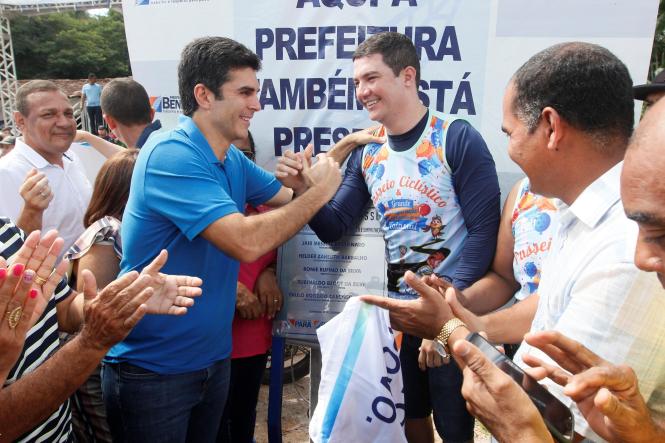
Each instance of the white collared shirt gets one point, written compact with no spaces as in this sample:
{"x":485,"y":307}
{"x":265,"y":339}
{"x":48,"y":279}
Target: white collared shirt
{"x":69,"y":184}
{"x":592,"y":292}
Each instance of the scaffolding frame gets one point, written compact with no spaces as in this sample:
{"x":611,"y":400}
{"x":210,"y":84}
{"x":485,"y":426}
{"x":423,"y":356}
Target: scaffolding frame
{"x":8,"y":80}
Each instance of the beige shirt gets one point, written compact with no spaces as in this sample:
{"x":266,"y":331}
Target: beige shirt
{"x":592,"y":292}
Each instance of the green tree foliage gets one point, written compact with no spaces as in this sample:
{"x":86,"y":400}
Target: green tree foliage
{"x":658,"y":51}
{"x":70,"y":45}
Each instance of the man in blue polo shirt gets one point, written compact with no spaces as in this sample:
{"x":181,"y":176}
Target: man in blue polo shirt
{"x":168,"y":380}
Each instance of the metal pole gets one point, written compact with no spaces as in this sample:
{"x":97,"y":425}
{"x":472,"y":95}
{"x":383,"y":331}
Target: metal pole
{"x":8,"y":83}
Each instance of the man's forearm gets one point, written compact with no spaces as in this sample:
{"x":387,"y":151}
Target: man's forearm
{"x":107,"y":149}
{"x":283,"y":223}
{"x":30,"y":219}
{"x":509,"y":325}
{"x":31,"y":399}
{"x":70,"y":316}
{"x":341,"y":150}
{"x":248,"y":238}
{"x":487,"y":294}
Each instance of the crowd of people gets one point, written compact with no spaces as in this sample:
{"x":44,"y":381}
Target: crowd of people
{"x":180,"y":231}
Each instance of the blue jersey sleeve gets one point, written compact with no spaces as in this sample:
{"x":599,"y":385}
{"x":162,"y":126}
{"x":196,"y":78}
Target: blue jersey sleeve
{"x":477,"y":187}
{"x":343,"y":212}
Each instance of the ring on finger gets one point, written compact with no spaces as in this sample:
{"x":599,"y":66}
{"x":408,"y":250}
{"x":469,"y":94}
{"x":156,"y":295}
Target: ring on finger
{"x":14,"y":316}
{"x":40,"y":280}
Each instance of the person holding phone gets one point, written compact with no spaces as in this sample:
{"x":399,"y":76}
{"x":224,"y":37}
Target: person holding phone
{"x":590,"y":289}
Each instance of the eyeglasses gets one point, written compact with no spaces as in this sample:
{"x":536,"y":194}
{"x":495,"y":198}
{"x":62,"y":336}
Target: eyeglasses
{"x":249,"y":154}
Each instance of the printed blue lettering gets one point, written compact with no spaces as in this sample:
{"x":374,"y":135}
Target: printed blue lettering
{"x":464,"y":98}
{"x":297,"y":93}
{"x":449,"y":45}
{"x":265,"y":38}
{"x":286,"y":37}
{"x":440,"y":86}
{"x":355,"y":3}
{"x":316,"y":93}
{"x":268,"y":95}
{"x":312,"y":42}
{"x":301,"y":138}
{"x":306,"y":38}
{"x":336,"y":89}
{"x":282,"y":138}
{"x":343,"y":41}
{"x":324,"y":40}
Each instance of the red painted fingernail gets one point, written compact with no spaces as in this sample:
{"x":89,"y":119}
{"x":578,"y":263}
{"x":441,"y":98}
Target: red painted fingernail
{"x":3,"y":273}
{"x":33,"y":293}
{"x":18,"y":269}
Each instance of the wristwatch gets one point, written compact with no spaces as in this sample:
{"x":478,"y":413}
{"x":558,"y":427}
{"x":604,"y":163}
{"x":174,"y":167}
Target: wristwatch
{"x":441,"y":340}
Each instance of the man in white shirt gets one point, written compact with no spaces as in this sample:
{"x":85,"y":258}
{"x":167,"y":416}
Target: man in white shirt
{"x":608,"y":395}
{"x":46,"y":120}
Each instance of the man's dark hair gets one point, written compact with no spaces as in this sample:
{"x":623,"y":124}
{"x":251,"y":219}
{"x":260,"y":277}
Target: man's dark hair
{"x":30,"y":88}
{"x":92,"y":75}
{"x":397,"y":50}
{"x":585,"y":83}
{"x":208,"y":60}
{"x":252,"y":145}
{"x":127,"y":102}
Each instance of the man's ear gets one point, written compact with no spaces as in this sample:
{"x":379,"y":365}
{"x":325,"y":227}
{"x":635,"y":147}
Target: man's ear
{"x":19,"y":120}
{"x":554,"y":127}
{"x":152,"y":113}
{"x":409,"y":75}
{"x":204,"y":96}
{"x":110,"y":122}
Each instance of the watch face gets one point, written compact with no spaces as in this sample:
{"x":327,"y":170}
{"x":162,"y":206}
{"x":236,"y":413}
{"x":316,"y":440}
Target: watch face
{"x":440,"y":348}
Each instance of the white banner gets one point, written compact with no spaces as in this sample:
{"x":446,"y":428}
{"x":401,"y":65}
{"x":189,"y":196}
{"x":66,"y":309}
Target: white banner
{"x":468,"y":49}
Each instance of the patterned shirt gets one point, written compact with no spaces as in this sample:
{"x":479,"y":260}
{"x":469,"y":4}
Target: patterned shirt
{"x":533,"y":222}
{"x":420,"y":215}
{"x":105,"y":231}
{"x":592,"y":292}
{"x":475,"y":186}
{"x":41,"y":341}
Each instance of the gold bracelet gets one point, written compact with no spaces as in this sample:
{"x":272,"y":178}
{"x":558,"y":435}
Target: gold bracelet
{"x":447,"y":330}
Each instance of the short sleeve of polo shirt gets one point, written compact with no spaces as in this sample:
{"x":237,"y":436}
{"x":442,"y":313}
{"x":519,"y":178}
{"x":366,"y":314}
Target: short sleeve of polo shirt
{"x":261,"y":185}
{"x":184,"y":187}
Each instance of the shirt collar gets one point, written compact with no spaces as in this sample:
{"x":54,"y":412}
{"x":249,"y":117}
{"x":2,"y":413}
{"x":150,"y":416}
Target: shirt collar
{"x":594,"y":202}
{"x":152,"y":127}
{"x":30,"y":154}
{"x":187,"y":125}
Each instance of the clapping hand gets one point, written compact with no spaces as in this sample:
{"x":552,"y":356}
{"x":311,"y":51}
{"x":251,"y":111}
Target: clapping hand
{"x":173,"y":294}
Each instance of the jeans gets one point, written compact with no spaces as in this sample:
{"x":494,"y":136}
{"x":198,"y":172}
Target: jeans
{"x":239,"y":417}
{"x":143,"y":406}
{"x":95,"y":117}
